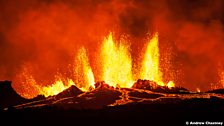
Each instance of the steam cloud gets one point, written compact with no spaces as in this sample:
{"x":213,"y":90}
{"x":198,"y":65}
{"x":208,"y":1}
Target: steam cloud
{"x":46,"y":34}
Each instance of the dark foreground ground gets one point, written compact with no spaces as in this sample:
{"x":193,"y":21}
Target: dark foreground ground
{"x":133,"y":114}
{"x":151,"y":115}
{"x":105,"y":106}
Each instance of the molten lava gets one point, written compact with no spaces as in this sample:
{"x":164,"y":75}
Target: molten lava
{"x":198,"y":90}
{"x":222,"y":78}
{"x":29,"y":87}
{"x":170,"y":84}
{"x":84,"y":78}
{"x":220,"y":84}
{"x":150,"y":65}
{"x":56,"y":88}
{"x":116,"y":62}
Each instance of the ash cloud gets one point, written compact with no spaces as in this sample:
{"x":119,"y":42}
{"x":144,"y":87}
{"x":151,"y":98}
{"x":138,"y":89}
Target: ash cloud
{"x":47,"y":33}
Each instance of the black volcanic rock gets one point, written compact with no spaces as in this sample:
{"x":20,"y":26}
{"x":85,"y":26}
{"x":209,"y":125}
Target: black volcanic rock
{"x":144,"y":95}
{"x":217,"y":91}
{"x":172,"y":90}
{"x":102,"y":85}
{"x":153,"y":86}
{"x":98,"y":98}
{"x":71,"y":91}
{"x":38,"y":97}
{"x":170,"y":112}
{"x":145,"y":84}
{"x":8,"y":96}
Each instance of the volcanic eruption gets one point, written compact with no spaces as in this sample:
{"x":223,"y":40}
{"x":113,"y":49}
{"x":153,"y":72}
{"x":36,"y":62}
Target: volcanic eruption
{"x":115,"y":61}
{"x":110,"y":57}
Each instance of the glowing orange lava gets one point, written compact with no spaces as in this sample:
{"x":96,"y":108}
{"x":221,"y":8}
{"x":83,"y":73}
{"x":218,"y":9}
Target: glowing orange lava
{"x":198,"y":90}
{"x":170,"y":84}
{"x":117,"y":63}
{"x":57,"y":87}
{"x":150,"y":65}
{"x":84,"y":78}
{"x":28,"y":87}
{"x":222,"y":78}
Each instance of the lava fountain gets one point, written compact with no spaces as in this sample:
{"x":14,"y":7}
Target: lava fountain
{"x":83,"y":75}
{"x":222,"y":79}
{"x":150,"y":66}
{"x":116,"y":63}
{"x":29,"y":87}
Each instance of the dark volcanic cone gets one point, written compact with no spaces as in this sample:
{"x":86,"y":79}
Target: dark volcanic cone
{"x":9,"y":97}
{"x":38,"y":97}
{"x":102,"y":86}
{"x":70,"y":92}
{"x":145,"y":84}
{"x":153,"y":86}
{"x":100,"y":97}
{"x":40,"y":100}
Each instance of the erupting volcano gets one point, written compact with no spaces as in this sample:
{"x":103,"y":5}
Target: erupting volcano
{"x":125,"y":60}
{"x":115,"y":61}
